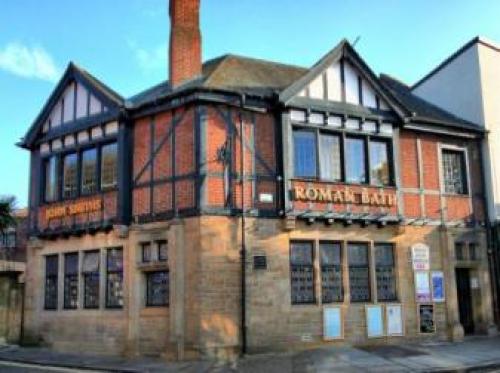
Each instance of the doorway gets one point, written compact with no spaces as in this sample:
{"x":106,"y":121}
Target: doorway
{"x":464,"y":299}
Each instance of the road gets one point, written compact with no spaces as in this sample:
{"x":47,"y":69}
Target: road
{"x":7,"y":366}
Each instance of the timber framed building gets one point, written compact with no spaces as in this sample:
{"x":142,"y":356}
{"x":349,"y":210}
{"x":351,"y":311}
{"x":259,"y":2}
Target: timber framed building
{"x":251,"y":205}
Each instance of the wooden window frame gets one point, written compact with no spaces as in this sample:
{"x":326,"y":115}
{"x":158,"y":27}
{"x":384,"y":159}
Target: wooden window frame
{"x":313,"y":271}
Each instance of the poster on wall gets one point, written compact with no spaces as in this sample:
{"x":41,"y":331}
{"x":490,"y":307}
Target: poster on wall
{"x":437,"y":286}
{"x":426,"y":318}
{"x":422,"y":286}
{"x":332,"y":323}
{"x":374,"y":321}
{"x":394,"y":317}
{"x":420,"y":257}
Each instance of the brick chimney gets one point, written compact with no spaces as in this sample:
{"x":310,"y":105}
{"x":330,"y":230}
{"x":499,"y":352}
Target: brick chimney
{"x":185,"y":41}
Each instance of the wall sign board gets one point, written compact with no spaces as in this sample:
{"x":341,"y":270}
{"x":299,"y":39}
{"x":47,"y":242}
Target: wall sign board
{"x":394,"y":317}
{"x":73,"y":209}
{"x":332,"y":323}
{"x":437,"y":286}
{"x":374,"y":321}
{"x":420,"y":257}
{"x":422,"y":286}
{"x":426,"y":318}
{"x":343,"y":196}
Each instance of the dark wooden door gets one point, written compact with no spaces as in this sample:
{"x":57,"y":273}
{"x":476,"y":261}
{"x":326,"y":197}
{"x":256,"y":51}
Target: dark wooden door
{"x":465,"y":300}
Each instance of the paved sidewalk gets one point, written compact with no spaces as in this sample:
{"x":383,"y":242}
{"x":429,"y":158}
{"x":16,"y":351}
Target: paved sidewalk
{"x":479,"y":354}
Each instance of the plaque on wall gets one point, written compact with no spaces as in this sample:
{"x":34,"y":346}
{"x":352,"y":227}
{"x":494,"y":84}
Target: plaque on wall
{"x":374,"y":321}
{"x":437,"y":286}
{"x":422,"y":286}
{"x":332,"y":323}
{"x":420,"y":257}
{"x":426,"y":318}
{"x":394,"y":317}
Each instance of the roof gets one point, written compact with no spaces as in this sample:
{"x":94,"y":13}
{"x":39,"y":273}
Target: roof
{"x":232,"y":73}
{"x":422,"y":110}
{"x":477,"y":40}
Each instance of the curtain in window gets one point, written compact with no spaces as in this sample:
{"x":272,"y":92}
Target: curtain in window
{"x":355,"y":160}
{"x":330,"y":157}
{"x":379,"y":163}
{"x":50,"y":179}
{"x":304,"y":153}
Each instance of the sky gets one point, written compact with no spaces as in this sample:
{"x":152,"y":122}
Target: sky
{"x":124,"y":43}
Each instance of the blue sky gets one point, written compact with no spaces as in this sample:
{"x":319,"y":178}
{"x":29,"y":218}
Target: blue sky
{"x":124,"y":43}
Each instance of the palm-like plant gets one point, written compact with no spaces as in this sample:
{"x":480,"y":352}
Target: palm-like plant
{"x":7,"y":205}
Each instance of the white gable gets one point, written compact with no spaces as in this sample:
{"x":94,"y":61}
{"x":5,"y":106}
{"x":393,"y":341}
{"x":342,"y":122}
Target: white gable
{"x":357,"y":91}
{"x":75,"y":102}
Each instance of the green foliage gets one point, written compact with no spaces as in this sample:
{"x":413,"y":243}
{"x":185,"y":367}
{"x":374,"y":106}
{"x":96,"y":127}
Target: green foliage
{"x":7,"y":206}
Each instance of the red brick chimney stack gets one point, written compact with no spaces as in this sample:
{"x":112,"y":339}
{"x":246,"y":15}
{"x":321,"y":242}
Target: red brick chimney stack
{"x":185,"y":41}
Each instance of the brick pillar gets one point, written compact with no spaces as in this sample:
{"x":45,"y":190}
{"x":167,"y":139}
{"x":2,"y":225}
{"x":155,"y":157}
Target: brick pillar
{"x":185,"y":41}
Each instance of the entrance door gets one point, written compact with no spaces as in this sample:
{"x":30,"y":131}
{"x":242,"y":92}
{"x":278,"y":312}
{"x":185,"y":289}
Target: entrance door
{"x":464,"y":299}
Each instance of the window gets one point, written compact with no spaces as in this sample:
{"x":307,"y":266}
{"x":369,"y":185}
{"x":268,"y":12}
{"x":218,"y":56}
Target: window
{"x":459,"y":251}
{"x":302,"y":272}
{"x":70,"y":184}
{"x":114,"y":278}
{"x":355,"y":160}
{"x":157,"y":292}
{"x":146,"y":252}
{"x":51,"y":275}
{"x":71,"y":281}
{"x":90,"y":271}
{"x":331,"y":272}
{"x":384,"y":268}
{"x":359,"y":273}
{"x":330,"y":161}
{"x":109,"y":170}
{"x":162,"y":251}
{"x":304,"y":153}
{"x":472,"y":251}
{"x":454,"y":173}
{"x":379,"y":163}
{"x":89,"y":169}
{"x":50,"y":179}
{"x":8,"y":239}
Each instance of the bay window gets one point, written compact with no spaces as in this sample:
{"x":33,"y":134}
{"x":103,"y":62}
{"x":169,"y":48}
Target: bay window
{"x":70,"y":175}
{"x":355,"y":160}
{"x":109,"y":169}
{"x":89,"y":171}
{"x":305,"y":153}
{"x":330,"y":160}
{"x":379,"y":163}
{"x":50,"y":173}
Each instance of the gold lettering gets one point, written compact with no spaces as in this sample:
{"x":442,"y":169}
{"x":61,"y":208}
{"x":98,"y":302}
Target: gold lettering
{"x":73,"y":209}
{"x":299,"y":194}
{"x":324,"y":195}
{"x":312,"y":194}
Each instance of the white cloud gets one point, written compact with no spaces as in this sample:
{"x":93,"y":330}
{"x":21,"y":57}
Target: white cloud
{"x":152,"y":59}
{"x":28,"y":62}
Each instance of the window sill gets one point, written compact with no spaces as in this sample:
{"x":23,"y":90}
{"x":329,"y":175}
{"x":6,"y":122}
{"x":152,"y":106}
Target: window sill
{"x":152,"y":266}
{"x":456,"y":195}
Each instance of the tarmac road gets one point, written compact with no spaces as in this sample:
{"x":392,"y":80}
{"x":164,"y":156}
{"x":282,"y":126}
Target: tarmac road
{"x":7,"y":366}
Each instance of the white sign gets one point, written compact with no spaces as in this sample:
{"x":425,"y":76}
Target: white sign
{"x":420,"y":257}
{"x":266,"y":197}
{"x":394,"y":317}
{"x":374,"y":321}
{"x":422,"y":286}
{"x":474,"y":283}
{"x":332,"y":323}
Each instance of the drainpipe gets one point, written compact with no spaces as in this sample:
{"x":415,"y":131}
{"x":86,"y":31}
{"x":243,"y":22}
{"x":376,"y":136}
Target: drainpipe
{"x":243,"y":253}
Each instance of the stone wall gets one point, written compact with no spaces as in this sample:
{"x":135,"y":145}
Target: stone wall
{"x":11,"y":298}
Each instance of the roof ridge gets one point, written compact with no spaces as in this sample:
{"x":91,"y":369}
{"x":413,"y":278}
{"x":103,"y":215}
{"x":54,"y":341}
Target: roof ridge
{"x":257,"y":59}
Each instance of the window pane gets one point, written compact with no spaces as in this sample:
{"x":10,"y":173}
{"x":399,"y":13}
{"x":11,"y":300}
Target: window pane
{"x":109,"y":169}
{"x":114,"y":278}
{"x":459,"y":251}
{"x":330,"y":157}
{"x":51,"y":273}
{"x":304,"y":144}
{"x":146,"y":252}
{"x":454,"y":172}
{"x":359,"y":274}
{"x":472,"y":251}
{"x":301,"y":273}
{"x":384,"y":266}
{"x":70,"y":176}
{"x":89,"y":164}
{"x":71,"y":281}
{"x":355,"y":160}
{"x":50,"y":179}
{"x":157,"y":288}
{"x":331,"y":272}
{"x":90,"y":270}
{"x":379,"y":163}
{"x":162,"y":251}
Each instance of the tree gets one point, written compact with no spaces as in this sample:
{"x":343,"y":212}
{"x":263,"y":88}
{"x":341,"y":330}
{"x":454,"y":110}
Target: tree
{"x":7,"y":205}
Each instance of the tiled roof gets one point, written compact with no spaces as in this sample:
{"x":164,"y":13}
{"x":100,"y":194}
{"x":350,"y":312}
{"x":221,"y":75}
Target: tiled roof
{"x":422,"y":110}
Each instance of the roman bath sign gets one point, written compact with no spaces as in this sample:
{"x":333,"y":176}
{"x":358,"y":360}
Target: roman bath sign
{"x":343,"y":196}
{"x":73,"y":209}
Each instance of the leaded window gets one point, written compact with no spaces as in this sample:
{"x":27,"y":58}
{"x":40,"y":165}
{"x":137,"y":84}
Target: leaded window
{"x":146,"y":252}
{"x":359,"y":272}
{"x":302,"y":272}
{"x":114,"y":278}
{"x":157,"y":291}
{"x":50,"y":171}
{"x":90,"y":270}
{"x":71,"y":281}
{"x":355,"y":160}
{"x":385,"y":272}
{"x":109,"y":169}
{"x":89,"y":171}
{"x":162,"y":251}
{"x":331,"y":272}
{"x":70,"y":175}
{"x":454,"y":172}
{"x":51,"y":276}
{"x":379,"y":163}
{"x":304,"y":145}
{"x":330,"y":159}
